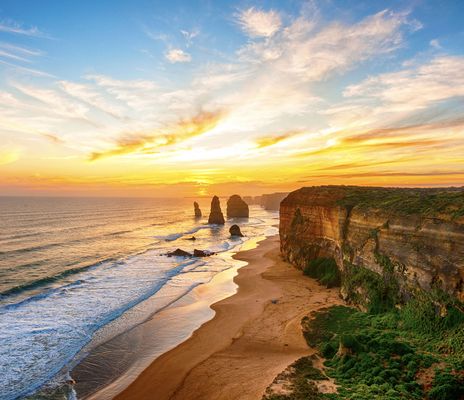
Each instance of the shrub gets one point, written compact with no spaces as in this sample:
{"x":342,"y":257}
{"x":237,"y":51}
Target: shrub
{"x":325,"y":270}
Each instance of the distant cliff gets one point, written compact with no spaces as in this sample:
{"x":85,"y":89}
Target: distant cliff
{"x":272,"y":201}
{"x":386,"y":241}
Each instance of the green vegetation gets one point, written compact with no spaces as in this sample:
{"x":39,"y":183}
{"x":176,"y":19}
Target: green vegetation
{"x":302,"y":377}
{"x":325,"y":270}
{"x":375,"y":293}
{"x":383,"y":356}
{"x":427,"y":202}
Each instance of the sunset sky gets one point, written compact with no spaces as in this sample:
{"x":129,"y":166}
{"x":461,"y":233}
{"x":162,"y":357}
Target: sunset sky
{"x":193,"y":98}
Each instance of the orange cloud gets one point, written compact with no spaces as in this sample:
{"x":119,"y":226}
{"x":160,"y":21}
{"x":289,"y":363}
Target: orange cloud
{"x":147,"y":143}
{"x":266,"y":141}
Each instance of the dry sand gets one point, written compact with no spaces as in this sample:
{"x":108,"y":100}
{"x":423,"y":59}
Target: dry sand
{"x":254,"y":335}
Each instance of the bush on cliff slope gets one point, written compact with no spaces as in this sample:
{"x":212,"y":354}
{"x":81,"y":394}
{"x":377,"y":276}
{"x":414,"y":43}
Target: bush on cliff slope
{"x":325,"y":270}
{"x":384,"y":356}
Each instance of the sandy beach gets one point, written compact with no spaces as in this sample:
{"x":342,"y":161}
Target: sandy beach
{"x":254,"y":335}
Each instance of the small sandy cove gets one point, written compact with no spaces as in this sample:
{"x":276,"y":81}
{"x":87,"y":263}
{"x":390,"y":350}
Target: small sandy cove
{"x":254,"y":335}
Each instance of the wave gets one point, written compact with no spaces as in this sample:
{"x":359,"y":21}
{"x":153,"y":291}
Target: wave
{"x":51,"y":279}
{"x":86,"y":320}
{"x":174,"y":236}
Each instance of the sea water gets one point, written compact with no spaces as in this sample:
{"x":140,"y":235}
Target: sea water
{"x":75,"y":271}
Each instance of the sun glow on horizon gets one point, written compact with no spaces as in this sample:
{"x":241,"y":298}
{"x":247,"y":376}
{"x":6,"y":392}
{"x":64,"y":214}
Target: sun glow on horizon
{"x":258,"y":99}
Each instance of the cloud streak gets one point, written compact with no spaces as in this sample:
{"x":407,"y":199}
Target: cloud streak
{"x":149,"y":142}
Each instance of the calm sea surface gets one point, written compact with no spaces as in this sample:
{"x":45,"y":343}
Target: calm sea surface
{"x":71,"y":266}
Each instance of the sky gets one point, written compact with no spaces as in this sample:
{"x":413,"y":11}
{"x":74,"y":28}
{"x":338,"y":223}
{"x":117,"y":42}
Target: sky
{"x":194,"y":98}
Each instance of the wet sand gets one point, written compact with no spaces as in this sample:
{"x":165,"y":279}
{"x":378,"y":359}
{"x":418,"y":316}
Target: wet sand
{"x":254,"y":335}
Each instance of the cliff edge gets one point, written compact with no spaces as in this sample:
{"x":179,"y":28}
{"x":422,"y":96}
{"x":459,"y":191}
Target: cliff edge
{"x":386,"y":242}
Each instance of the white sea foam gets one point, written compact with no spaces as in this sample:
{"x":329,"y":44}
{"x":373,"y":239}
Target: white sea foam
{"x":42,"y":332}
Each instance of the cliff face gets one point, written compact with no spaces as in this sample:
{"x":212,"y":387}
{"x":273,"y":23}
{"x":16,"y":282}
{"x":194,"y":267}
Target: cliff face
{"x":412,"y":237}
{"x":272,"y":201}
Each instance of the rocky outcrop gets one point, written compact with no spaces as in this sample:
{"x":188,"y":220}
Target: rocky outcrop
{"x":234,"y":230}
{"x":179,"y":253}
{"x":183,"y":253}
{"x":237,"y":208}
{"x":202,"y":253}
{"x":197,"y":210}
{"x":216,"y":216}
{"x":400,"y":239}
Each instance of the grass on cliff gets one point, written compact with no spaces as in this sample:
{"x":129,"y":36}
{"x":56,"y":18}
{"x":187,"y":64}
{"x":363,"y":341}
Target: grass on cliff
{"x":427,"y":202}
{"x":325,"y":270}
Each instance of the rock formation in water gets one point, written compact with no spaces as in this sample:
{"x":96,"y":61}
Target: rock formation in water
{"x":197,"y":210}
{"x":202,"y":253}
{"x":183,"y":253}
{"x":401,"y":240}
{"x":215,"y":215}
{"x":237,"y":208}
{"x":179,"y":253}
{"x":234,"y":230}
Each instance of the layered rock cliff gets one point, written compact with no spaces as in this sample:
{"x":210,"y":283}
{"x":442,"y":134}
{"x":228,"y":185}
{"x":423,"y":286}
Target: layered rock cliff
{"x":385,"y":240}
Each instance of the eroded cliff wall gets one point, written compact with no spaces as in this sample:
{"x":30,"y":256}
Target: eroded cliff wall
{"x":401,"y":238}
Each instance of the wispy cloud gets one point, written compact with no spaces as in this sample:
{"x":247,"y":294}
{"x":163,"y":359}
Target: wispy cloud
{"x":26,"y":70}
{"x":148,"y":142}
{"x":267,"y":141}
{"x":14,"y":27}
{"x":258,"y":23}
{"x":189,"y":36}
{"x":415,"y":87}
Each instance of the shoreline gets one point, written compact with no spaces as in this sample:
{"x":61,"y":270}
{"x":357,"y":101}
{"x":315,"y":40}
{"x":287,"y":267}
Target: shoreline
{"x":113,"y":365}
{"x":254,"y":335}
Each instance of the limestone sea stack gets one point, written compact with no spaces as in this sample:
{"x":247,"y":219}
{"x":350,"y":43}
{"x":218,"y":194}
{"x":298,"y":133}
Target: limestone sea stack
{"x":197,"y":210}
{"x":216,"y":216}
{"x":237,"y":208}
{"x":235,"y":231}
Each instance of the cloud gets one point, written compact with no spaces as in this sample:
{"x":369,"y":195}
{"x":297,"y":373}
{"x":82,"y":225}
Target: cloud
{"x":189,"y":36}
{"x":267,"y":141}
{"x":416,"y":87}
{"x":56,"y":102}
{"x":178,"y":56}
{"x":435,"y":43}
{"x":27,"y":71}
{"x":13,"y":27}
{"x":311,"y":54}
{"x":148,"y":142}
{"x":92,"y":97}
{"x":258,"y":23}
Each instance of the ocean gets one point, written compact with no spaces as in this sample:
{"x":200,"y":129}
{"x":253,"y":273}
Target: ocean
{"x":77,"y":272}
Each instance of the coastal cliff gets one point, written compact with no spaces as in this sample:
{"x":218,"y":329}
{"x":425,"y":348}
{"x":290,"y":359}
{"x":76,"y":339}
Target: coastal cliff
{"x":386,"y":242}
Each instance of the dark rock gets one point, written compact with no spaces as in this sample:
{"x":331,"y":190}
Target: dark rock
{"x":202,"y":253}
{"x":191,"y":238}
{"x":235,"y":230}
{"x":197,"y":210}
{"x":237,"y":208}
{"x":216,"y":216}
{"x":179,"y":253}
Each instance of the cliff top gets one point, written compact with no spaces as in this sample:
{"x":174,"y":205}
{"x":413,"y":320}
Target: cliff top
{"x":446,"y":203}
